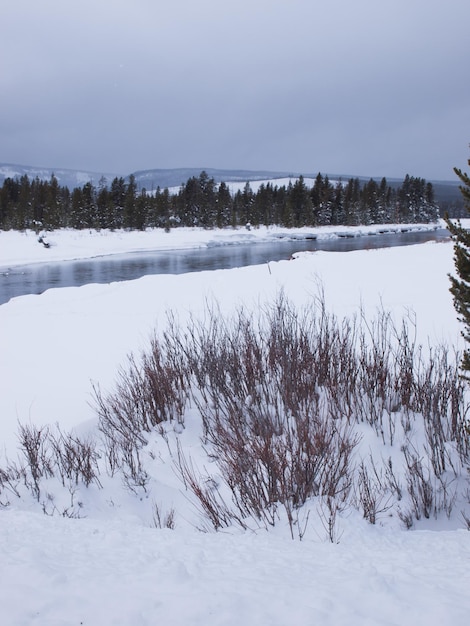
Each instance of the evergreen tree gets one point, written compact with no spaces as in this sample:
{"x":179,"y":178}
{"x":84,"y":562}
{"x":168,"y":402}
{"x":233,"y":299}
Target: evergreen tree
{"x":88,"y":208}
{"x":118,"y":198}
{"x":207,"y":200}
{"x":265,"y":205}
{"x":162,"y":210}
{"x":52,"y":211}
{"x":369,"y":203}
{"x":65,"y":205}
{"x":460,"y":285}
{"x":104,"y":205}
{"x":404,"y":206}
{"x":280,"y":204}
{"x":416,"y":201}
{"x":9,"y":200}
{"x":246,"y":206}
{"x":188,"y":203}
{"x":384,"y":204}
{"x":76,"y":208}
{"x":129,"y":217}
{"x":38,"y":200}
{"x":142,"y":211}
{"x":301,"y":203}
{"x":223,"y":206}
{"x":323,"y":198}
{"x":338,"y":214}
{"x":24,"y":210}
{"x":351,"y":202}
{"x":287,"y":218}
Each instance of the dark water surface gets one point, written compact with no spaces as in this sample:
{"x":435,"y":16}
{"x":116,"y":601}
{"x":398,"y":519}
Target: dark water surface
{"x":37,"y":278}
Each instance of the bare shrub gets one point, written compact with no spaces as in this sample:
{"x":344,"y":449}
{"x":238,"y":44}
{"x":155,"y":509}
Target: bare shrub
{"x":212,"y":505}
{"x":329,"y":519}
{"x":282,"y":396}
{"x":406,"y":517}
{"x":465,"y":515}
{"x":11,"y":478}
{"x":279,"y":395}
{"x":372,"y":494}
{"x":72,"y":510}
{"x":163,"y":520}
{"x":148,"y":392}
{"x":394,"y":485}
{"x":419,"y":485}
{"x":35,"y":445}
{"x":264,"y":417}
{"x":76,"y":459}
{"x":440,"y":401}
{"x":48,"y":454}
{"x":134,"y":475}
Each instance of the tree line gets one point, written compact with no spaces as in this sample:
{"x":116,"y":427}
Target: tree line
{"x":41,"y":204}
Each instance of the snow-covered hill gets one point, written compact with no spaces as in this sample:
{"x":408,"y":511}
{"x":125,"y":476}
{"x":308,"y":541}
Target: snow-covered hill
{"x":66,"y":178}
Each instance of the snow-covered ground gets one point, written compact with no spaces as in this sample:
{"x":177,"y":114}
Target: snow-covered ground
{"x":60,"y":572}
{"x":113,"y":567}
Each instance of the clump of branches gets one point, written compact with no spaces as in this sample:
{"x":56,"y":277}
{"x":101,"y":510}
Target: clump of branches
{"x":285,"y":398}
{"x":163,"y":520}
{"x":48,"y":453}
{"x":374,"y":497}
{"x":280,"y":397}
{"x":149,"y":392}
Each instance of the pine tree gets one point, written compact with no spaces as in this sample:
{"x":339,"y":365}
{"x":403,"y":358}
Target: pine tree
{"x":247,"y":202}
{"x":223,"y":206}
{"x":118,"y":198}
{"x":88,"y":207}
{"x":130,"y":194}
{"x":460,"y":285}
{"x":301,"y":203}
{"x":52,"y":213}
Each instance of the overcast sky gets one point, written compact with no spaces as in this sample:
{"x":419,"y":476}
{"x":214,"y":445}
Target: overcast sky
{"x":363,"y":87}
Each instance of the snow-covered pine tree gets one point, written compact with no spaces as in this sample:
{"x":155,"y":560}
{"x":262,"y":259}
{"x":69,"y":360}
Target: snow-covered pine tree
{"x":460,"y":284}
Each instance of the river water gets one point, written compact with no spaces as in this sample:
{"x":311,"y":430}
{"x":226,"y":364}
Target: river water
{"x":37,"y":278}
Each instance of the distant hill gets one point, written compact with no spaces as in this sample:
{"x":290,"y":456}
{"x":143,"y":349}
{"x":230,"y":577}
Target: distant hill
{"x":66,"y":178}
{"x":446,"y":192}
{"x":151,"y":179}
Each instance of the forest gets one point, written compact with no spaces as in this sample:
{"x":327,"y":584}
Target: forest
{"x":44,"y":204}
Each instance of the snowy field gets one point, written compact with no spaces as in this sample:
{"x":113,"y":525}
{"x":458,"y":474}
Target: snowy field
{"x":114,"y":566}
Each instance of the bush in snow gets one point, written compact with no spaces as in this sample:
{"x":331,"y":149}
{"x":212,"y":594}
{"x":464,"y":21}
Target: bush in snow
{"x":285,"y":400}
{"x":299,"y":413}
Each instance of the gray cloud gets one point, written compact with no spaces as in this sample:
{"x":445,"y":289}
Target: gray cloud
{"x":363,"y":88}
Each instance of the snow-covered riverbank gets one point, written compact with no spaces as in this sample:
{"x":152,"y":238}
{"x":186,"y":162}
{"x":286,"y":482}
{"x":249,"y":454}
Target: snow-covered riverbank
{"x":20,"y":248}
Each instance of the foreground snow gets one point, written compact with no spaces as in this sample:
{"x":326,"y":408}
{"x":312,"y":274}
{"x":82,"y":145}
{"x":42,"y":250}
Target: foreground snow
{"x":60,"y":572}
{"x":115,"y":568}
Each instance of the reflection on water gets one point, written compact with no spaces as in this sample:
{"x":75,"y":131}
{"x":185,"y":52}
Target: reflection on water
{"x":35,"y":279}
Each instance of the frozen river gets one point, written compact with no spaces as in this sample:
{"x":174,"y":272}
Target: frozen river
{"x":37,"y":278}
